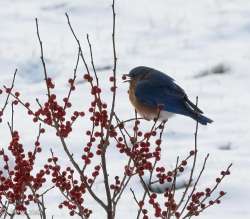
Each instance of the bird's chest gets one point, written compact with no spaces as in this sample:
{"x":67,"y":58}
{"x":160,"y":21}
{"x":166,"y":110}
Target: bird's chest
{"x":147,"y":112}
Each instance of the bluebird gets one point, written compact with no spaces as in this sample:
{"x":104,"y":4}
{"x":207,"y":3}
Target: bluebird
{"x":155,"y":95}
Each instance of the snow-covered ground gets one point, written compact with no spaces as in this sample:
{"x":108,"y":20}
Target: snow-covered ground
{"x":182,"y":38}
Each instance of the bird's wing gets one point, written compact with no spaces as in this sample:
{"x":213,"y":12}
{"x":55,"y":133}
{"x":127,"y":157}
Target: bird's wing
{"x":158,"y":79}
{"x":156,"y":93}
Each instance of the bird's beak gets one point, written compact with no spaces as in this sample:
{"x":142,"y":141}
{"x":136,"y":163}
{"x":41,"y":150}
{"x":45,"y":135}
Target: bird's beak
{"x":126,"y":76}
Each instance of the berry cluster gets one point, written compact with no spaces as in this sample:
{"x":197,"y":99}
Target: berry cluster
{"x":18,"y":183}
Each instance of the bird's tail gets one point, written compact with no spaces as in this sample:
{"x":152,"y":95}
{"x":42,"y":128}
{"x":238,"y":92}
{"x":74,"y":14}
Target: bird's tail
{"x":201,"y":119}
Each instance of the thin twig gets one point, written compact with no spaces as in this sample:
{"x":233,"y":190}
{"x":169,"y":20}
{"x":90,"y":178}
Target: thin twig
{"x":11,"y":123}
{"x":92,"y":61}
{"x":112,"y":110}
{"x":40,"y":204}
{"x":114,"y":65}
{"x":173,"y":188}
{"x":42,"y":58}
{"x":78,"y":43}
{"x":195,"y":184}
{"x":217,"y":184}
{"x":9,"y":93}
{"x":74,"y":78}
{"x":134,"y":196}
{"x":194,"y":161}
{"x":47,"y":190}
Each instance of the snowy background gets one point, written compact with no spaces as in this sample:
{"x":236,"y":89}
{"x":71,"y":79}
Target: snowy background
{"x":187,"y":39}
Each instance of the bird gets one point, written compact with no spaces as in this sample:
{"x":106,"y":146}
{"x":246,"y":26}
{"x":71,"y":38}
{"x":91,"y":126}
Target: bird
{"x":155,"y":95}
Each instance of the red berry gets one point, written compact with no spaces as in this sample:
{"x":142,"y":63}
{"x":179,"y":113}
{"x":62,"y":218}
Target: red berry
{"x":222,"y":193}
{"x":113,"y":89}
{"x":111,"y":78}
{"x":191,"y":153}
{"x":218,"y":180}
{"x":184,"y":162}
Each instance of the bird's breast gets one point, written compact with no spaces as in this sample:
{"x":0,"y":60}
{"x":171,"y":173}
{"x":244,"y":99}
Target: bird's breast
{"x":145,"y":111}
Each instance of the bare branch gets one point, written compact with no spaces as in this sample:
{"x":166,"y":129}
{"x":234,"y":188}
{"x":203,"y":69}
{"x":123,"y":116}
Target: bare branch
{"x":78,"y":43}
{"x":195,"y":185}
{"x":9,"y":92}
{"x":11,"y":124}
{"x":134,"y":196}
{"x":42,"y":58}
{"x":194,"y":160}
{"x":92,"y":61}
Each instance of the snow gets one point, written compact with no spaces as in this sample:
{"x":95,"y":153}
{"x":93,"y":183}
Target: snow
{"x":181,"y":38}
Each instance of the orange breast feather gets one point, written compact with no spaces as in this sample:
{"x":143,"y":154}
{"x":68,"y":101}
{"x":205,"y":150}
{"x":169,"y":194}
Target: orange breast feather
{"x":145,"y":111}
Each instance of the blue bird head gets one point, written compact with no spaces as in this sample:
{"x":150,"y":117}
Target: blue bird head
{"x":138,"y":73}
{"x":146,"y":73}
